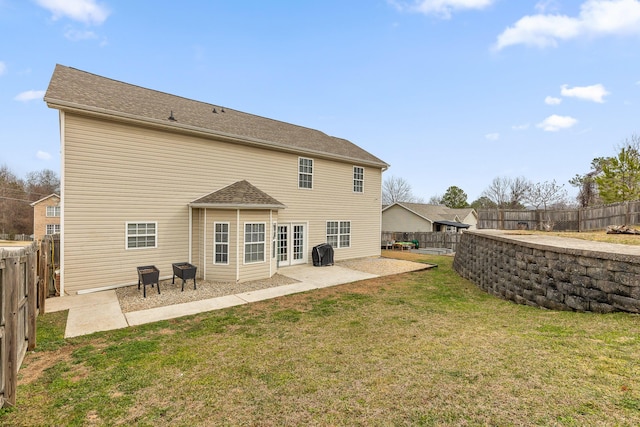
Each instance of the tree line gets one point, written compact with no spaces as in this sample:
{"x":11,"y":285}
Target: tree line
{"x":609,"y":180}
{"x":17,"y":194}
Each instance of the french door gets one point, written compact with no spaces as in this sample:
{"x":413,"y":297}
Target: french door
{"x":291,"y":238}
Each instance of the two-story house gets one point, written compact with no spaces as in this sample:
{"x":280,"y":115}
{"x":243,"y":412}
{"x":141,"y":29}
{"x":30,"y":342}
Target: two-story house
{"x":150,"y":178}
{"x":46,"y":216}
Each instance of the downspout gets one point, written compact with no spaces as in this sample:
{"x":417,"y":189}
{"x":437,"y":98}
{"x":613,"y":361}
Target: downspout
{"x":237,"y":245}
{"x":204,"y":244}
{"x":190,"y":232}
{"x":62,"y":198}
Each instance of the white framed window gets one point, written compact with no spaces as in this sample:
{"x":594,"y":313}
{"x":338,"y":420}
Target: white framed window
{"x":358,"y":179}
{"x":53,"y":228}
{"x":339,"y":234}
{"x":53,"y":211}
{"x":305,"y":172}
{"x":221,"y":243}
{"x":141,"y":235}
{"x":254,"y":242}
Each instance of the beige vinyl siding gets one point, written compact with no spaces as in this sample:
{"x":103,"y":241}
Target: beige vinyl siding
{"x":116,"y":172}
{"x":399,"y":219}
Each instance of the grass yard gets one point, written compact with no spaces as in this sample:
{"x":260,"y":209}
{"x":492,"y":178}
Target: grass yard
{"x":417,"y":349}
{"x":598,"y":236}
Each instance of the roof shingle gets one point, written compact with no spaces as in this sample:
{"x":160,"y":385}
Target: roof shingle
{"x":241,"y":194}
{"x":73,"y":89}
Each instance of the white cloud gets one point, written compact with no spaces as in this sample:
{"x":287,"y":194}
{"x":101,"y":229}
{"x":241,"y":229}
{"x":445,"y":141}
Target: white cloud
{"x":594,"y":93}
{"x":520,"y":127}
{"x":555,"y":123}
{"x":43,"y":155}
{"x":441,"y":8}
{"x":3,"y":68}
{"x":596,"y":18}
{"x":545,"y":6}
{"x":87,"y":11}
{"x":492,"y":136}
{"x":550,"y":100}
{"x":29,"y":95}
{"x":76,"y":35}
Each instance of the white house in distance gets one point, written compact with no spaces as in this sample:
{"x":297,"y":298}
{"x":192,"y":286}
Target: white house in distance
{"x":420,"y":217}
{"x":150,"y":178}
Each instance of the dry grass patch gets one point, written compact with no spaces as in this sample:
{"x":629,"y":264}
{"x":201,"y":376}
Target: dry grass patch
{"x":422,"y":348}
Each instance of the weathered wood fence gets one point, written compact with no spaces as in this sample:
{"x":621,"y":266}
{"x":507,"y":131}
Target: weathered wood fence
{"x":583,"y":219}
{"x":25,"y":274}
{"x":425,"y":239}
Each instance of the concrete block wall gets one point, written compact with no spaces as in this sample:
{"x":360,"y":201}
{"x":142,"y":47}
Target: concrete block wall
{"x":551,"y":277}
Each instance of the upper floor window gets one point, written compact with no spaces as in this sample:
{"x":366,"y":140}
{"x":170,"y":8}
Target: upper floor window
{"x":142,"y":235}
{"x":358,"y":179}
{"x":305,"y":172}
{"x":53,"y":211}
{"x":221,"y":243}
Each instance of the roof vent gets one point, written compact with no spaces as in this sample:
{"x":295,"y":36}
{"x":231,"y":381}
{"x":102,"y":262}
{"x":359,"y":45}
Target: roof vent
{"x":222,"y":109}
{"x":173,"y":119}
{"x":214,"y":110}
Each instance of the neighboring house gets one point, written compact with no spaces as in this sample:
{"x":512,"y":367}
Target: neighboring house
{"x":150,"y":178}
{"x":420,"y":217}
{"x":46,"y":216}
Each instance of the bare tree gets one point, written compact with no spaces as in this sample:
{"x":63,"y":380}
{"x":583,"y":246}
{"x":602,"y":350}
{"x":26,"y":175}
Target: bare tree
{"x":544,"y":194}
{"x":396,"y":189}
{"x":507,"y":192}
{"x":435,"y":199}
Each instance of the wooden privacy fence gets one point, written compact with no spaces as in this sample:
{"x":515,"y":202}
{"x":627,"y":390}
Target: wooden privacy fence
{"x":18,"y":308}
{"x":582,"y":219}
{"x":425,"y":239}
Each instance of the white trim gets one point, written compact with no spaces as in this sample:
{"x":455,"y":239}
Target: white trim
{"x":126,"y":235}
{"x":306,"y":173}
{"x":62,"y":192}
{"x":350,"y":234}
{"x":354,"y":180}
{"x":215,"y":232}
{"x":190,"y":233}
{"x":244,"y":243}
{"x":204,"y":245}
{"x":238,"y":245}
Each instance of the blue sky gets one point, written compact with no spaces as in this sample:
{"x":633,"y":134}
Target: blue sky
{"x":448,"y":92}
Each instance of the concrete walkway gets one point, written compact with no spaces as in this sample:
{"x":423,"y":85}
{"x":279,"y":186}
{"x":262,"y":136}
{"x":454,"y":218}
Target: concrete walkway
{"x":100,"y":311}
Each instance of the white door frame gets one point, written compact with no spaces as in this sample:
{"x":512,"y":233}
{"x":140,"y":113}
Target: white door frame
{"x":290,"y":249}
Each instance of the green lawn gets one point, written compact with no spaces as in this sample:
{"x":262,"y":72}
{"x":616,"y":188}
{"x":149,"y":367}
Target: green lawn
{"x":425,"y":348}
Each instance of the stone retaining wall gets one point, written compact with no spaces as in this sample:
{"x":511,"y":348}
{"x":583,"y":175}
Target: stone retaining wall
{"x":551,"y":277}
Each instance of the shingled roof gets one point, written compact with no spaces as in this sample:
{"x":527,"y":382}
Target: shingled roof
{"x":239,"y":195}
{"x":76,"y":90}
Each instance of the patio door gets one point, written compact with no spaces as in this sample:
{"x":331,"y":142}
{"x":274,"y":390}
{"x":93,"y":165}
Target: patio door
{"x":291,"y":238}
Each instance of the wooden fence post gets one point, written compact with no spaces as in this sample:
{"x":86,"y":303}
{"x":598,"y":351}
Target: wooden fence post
{"x":32,"y":300}
{"x":11,"y":283}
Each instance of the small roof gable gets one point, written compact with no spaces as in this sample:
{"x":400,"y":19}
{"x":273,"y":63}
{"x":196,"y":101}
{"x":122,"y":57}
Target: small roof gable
{"x":75,"y":90}
{"x":434,"y":213}
{"x":45,"y":198}
{"x":239,"y":195}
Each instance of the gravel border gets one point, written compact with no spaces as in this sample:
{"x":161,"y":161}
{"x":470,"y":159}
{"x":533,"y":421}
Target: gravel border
{"x":131,"y":299}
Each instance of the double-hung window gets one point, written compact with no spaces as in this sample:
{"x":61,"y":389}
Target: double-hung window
{"x":305,"y":172}
{"x":339,"y":234}
{"x":53,"y":211}
{"x":358,"y":179}
{"x":221,"y":243}
{"x":254,"y":242}
{"x":53,"y":228}
{"x":142,"y":235}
